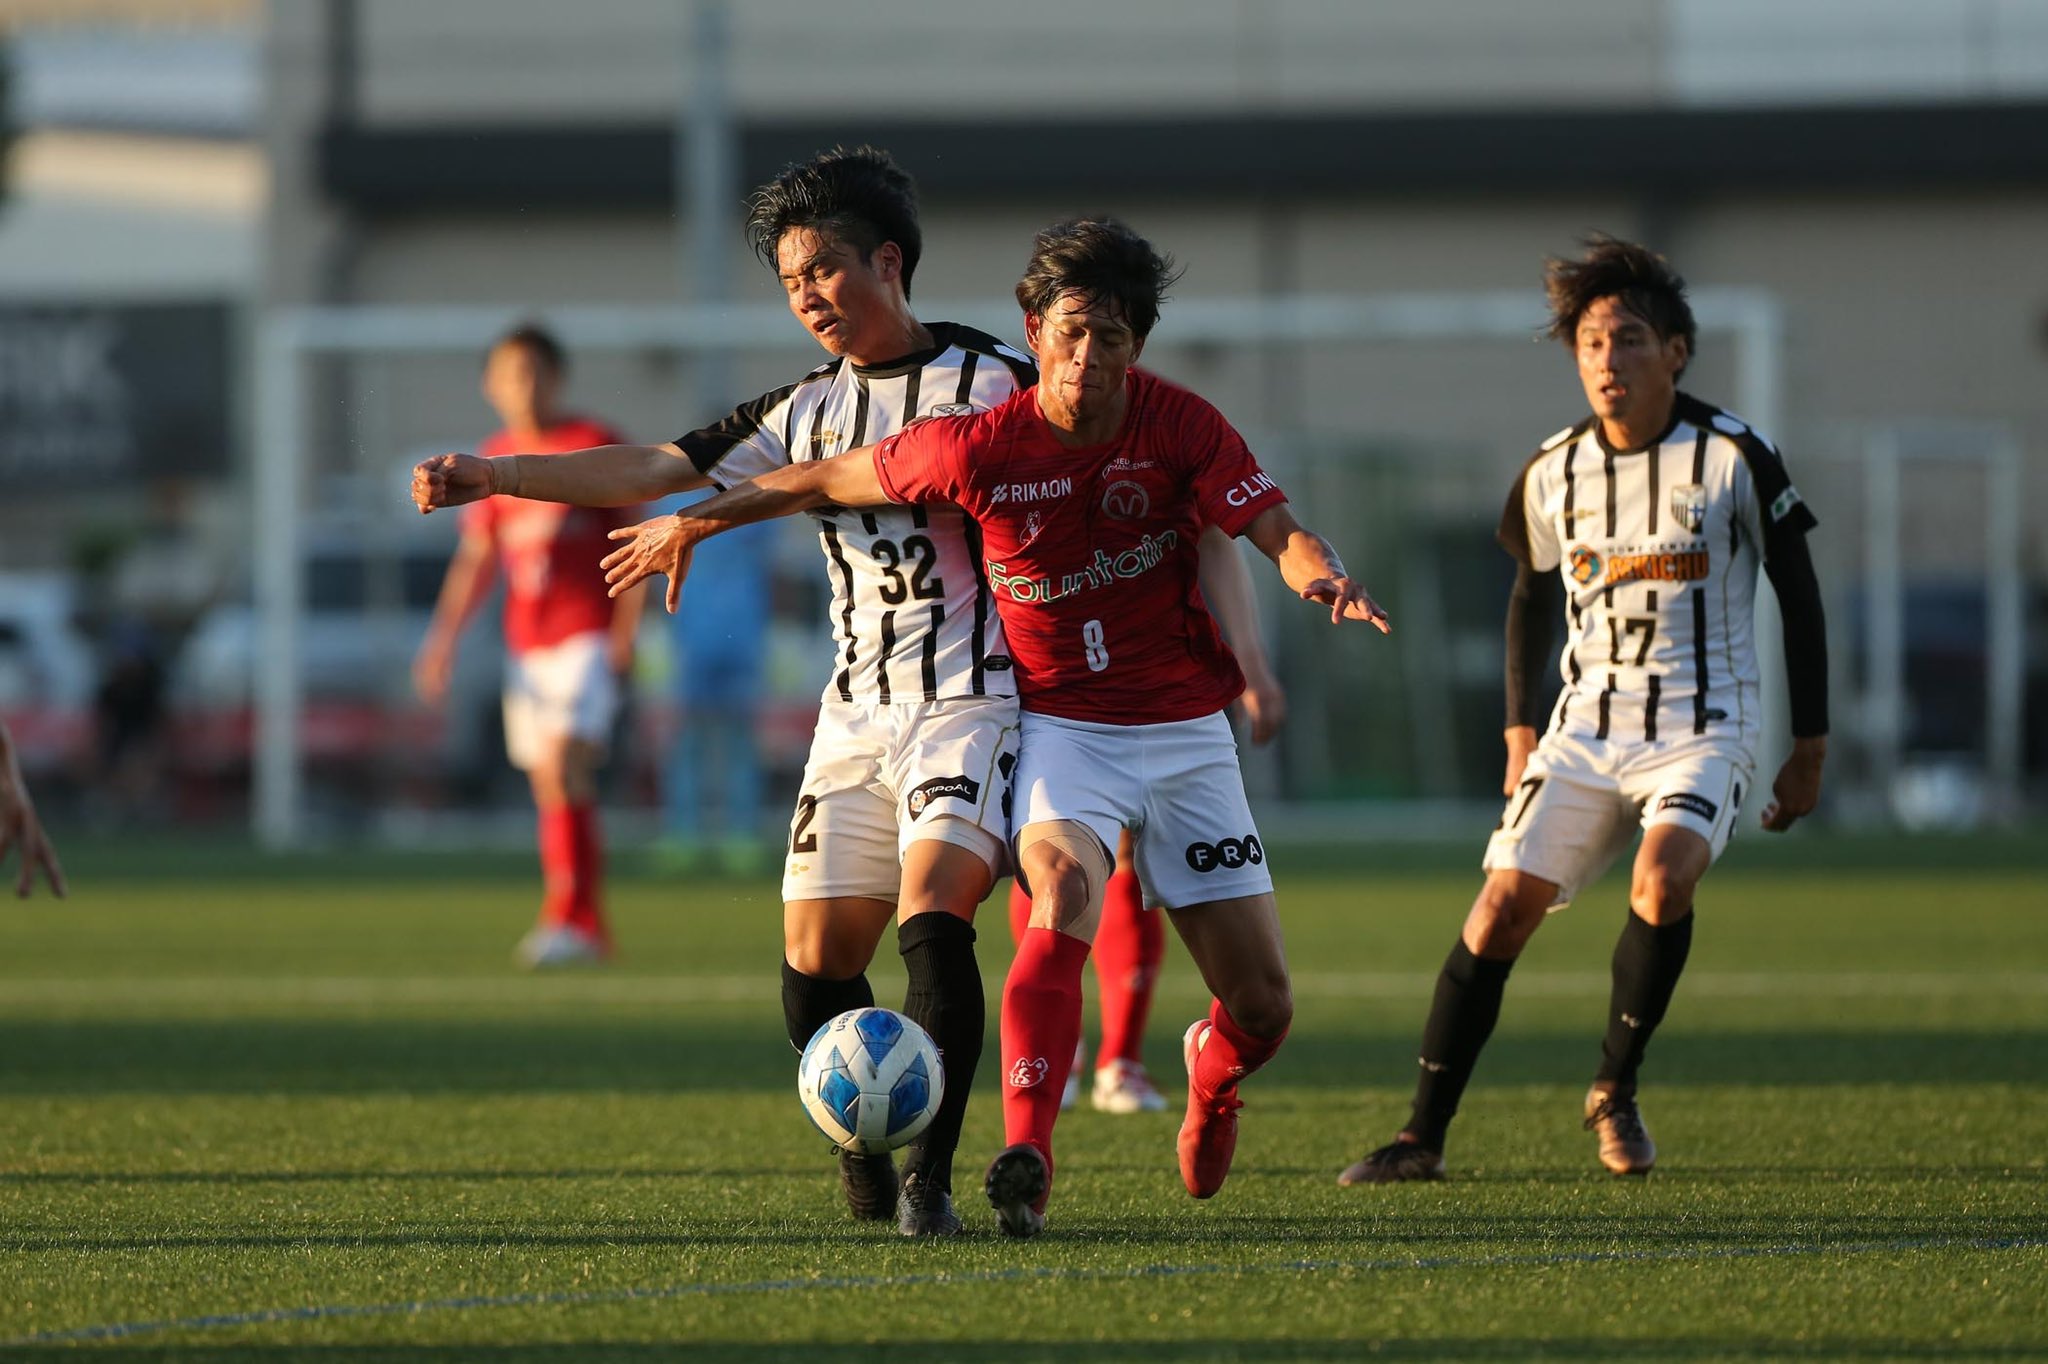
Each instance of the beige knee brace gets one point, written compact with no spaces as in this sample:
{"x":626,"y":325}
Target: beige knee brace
{"x":1075,"y":844}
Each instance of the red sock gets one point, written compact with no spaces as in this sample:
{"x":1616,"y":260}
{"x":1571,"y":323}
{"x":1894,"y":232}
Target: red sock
{"x":572,"y":867}
{"x":1230,"y":1054}
{"x":1041,"y":1024}
{"x":1020,"y":911}
{"x":1128,"y":949}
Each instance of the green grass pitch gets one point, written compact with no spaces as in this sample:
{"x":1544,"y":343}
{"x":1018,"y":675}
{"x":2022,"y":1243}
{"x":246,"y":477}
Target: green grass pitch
{"x":256,"y":1110}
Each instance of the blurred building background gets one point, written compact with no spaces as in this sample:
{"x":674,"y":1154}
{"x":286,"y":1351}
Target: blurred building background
{"x":244,"y":238}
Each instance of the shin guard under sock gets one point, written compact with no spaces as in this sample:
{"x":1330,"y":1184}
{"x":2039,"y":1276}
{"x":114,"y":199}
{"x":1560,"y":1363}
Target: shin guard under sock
{"x":1461,"y":1018}
{"x":944,"y":997}
{"x":1648,"y":960}
{"x":1041,"y":1024}
{"x":810,"y":1002}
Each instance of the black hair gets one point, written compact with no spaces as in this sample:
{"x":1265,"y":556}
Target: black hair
{"x":860,"y":197}
{"x":538,"y":340}
{"x":1612,"y":268}
{"x":1103,"y":262}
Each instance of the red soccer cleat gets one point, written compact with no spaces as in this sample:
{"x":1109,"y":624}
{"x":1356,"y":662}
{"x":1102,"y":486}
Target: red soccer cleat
{"x":1208,"y":1135}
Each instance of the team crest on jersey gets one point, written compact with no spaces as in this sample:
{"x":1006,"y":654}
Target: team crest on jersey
{"x":1689,"y":506}
{"x":1585,"y":564}
{"x":1125,"y":500}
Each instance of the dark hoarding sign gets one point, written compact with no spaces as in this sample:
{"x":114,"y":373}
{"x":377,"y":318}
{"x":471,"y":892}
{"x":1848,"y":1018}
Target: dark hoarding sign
{"x":93,"y":392}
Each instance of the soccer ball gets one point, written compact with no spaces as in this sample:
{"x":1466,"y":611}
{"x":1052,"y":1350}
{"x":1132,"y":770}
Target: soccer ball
{"x":870,"y":1080}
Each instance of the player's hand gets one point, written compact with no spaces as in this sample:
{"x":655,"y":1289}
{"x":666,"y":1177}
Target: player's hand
{"x":432,"y":669}
{"x":660,"y":546}
{"x":1797,"y":789}
{"x":1347,"y":600}
{"x":1521,"y":741}
{"x":1265,"y":707}
{"x":450,"y":481}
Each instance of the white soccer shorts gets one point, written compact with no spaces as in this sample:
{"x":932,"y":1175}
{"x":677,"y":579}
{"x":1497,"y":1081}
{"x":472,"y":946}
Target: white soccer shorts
{"x":881,"y":777}
{"x":1175,"y":786}
{"x":1582,"y":800}
{"x":566,"y":689}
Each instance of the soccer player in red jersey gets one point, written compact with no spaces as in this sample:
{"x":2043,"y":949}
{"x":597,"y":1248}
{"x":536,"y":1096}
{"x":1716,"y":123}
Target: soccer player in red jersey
{"x":19,"y":827}
{"x":567,"y":643}
{"x":1090,"y":489}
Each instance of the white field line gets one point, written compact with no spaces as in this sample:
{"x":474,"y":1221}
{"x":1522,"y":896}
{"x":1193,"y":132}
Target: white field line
{"x":351,"y":991}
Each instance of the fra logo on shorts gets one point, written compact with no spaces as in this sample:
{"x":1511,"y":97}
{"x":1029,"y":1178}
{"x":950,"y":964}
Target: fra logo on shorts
{"x":1230,"y":854}
{"x":1691,"y":804}
{"x":955,"y":788}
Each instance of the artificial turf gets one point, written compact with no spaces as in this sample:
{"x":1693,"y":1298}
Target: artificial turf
{"x":256,"y":1109}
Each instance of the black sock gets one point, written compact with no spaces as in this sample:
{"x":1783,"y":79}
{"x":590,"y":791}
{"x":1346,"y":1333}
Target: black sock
{"x":810,"y":1002}
{"x":1647,"y":962}
{"x":1461,"y":1018}
{"x":944,"y":997}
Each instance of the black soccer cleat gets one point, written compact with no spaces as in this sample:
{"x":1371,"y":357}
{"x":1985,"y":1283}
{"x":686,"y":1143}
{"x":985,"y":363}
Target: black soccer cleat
{"x":869,"y":1183}
{"x":1017,"y":1183}
{"x":926,"y":1209}
{"x":1400,"y":1161}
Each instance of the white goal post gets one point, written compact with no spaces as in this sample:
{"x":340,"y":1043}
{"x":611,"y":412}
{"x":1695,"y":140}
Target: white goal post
{"x":288,"y":338}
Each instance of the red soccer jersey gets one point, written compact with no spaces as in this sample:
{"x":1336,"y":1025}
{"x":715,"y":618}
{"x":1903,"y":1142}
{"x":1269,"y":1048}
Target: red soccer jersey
{"x":549,"y":552}
{"x":1091,"y":552}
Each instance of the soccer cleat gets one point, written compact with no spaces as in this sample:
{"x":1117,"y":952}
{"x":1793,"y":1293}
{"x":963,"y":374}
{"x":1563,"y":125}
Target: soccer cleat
{"x":869,"y":1183}
{"x":1208,"y":1135}
{"x":1400,"y":1161}
{"x":1017,"y":1184}
{"x":926,"y":1209}
{"x":555,"y":946}
{"x":1124,"y":1087}
{"x":1625,"y":1145}
{"x":1071,"y":1095}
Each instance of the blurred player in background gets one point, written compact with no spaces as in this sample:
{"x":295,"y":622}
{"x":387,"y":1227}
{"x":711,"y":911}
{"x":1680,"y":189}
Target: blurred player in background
{"x":711,"y":780}
{"x":568,"y":646}
{"x":1091,"y":489}
{"x":21,"y":830}
{"x":1644,"y":523}
{"x":1130,"y":944}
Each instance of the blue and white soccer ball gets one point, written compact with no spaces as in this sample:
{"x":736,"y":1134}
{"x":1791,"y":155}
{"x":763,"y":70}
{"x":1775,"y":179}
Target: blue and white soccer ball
{"x":870,"y":1079}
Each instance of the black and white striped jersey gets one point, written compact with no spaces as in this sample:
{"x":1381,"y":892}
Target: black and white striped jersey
{"x":1658,"y":549}
{"x":910,"y":605}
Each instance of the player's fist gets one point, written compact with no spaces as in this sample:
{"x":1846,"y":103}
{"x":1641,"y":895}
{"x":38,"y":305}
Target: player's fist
{"x":450,"y":481}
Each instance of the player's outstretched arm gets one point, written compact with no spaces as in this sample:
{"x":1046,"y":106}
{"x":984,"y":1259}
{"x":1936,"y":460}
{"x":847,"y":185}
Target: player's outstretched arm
{"x":601,"y":476}
{"x":1227,"y":587}
{"x":664,"y":544}
{"x":1311,"y":567}
{"x":19,"y":827}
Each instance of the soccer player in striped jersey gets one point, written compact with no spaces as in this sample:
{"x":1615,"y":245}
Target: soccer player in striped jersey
{"x":1090,"y":489}
{"x":903,"y":811}
{"x":1644,"y":525}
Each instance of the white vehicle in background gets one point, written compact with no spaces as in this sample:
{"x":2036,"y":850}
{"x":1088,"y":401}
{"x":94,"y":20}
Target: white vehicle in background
{"x":368,"y":600}
{"x":47,"y":672}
